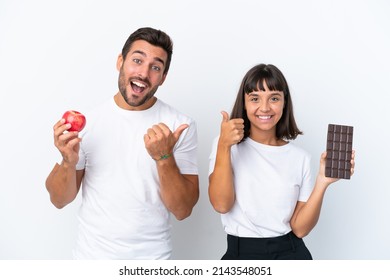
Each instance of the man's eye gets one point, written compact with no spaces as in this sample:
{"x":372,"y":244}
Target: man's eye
{"x":136,"y":60}
{"x":156,"y":68}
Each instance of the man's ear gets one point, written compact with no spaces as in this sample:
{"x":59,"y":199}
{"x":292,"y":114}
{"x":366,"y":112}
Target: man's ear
{"x":119,"y":62}
{"x":163,"y":79}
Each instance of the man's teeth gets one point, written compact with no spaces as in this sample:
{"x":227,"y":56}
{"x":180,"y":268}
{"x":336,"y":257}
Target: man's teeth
{"x":264,"y":117}
{"x":139,"y":84}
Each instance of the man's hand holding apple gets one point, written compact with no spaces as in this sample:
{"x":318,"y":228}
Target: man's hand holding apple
{"x":68,"y":143}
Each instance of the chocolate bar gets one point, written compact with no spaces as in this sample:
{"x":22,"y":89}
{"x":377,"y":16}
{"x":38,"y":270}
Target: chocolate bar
{"x":339,"y":151}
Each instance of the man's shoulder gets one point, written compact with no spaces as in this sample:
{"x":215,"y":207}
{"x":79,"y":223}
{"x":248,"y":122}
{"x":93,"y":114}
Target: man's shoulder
{"x":172,"y":111}
{"x":97,"y":112}
{"x":99,"y":107}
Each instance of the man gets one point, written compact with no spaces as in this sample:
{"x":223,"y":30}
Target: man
{"x":137,"y":161}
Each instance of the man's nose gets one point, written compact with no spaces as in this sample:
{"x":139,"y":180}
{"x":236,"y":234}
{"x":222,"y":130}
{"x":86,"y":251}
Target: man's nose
{"x":143,"y":71}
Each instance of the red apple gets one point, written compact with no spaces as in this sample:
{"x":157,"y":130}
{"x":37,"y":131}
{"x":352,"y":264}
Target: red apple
{"x":76,"y":119}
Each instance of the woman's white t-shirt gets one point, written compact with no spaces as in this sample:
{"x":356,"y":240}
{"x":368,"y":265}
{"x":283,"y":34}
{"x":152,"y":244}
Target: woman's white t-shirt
{"x":268,"y":181}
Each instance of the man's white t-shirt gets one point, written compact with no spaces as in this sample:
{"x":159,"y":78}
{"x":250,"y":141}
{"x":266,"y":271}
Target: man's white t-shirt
{"x":122,"y":215}
{"x":268,"y":181}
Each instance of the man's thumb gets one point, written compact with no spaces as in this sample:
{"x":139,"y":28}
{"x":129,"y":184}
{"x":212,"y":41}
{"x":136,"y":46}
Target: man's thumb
{"x":180,"y":130}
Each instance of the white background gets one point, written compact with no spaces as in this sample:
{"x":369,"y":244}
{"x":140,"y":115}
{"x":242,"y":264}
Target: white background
{"x":60,"y":55}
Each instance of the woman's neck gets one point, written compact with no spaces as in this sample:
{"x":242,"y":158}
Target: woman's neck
{"x":267,"y":139}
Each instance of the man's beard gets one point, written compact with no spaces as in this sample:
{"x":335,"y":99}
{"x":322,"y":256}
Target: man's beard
{"x":134,"y":100}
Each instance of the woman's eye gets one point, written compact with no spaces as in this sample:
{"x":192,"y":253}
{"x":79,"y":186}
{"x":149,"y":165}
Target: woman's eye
{"x":254,"y":99}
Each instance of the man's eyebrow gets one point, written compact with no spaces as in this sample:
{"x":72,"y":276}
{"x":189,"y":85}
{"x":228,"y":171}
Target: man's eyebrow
{"x":140,"y":52}
{"x":144,"y":54}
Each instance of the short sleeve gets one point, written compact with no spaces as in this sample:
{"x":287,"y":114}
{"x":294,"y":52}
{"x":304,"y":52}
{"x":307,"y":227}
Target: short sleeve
{"x":307,"y":182}
{"x":82,"y":160}
{"x":213,"y":155}
{"x":186,"y":150}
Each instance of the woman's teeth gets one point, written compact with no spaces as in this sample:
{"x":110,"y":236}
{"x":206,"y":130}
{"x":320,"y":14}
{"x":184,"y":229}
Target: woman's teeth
{"x":264,"y":117}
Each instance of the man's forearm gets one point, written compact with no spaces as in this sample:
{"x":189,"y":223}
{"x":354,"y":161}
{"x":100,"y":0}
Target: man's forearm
{"x":62,"y":185}
{"x":178,"y":192}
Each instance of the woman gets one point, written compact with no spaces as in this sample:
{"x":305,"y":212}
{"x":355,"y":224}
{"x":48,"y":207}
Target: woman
{"x":259,"y":181}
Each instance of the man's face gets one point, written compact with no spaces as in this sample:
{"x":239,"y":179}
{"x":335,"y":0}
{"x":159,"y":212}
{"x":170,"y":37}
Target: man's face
{"x":141,"y":74}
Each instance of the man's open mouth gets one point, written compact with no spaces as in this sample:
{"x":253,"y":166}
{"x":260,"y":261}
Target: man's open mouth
{"x":137,"y":87}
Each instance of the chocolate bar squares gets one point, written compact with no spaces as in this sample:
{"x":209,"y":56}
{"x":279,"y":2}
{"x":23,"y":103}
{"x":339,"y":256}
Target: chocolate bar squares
{"x":339,"y":151}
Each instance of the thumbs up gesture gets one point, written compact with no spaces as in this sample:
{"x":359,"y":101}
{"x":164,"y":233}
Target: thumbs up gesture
{"x":160,"y":140}
{"x":232,"y":131}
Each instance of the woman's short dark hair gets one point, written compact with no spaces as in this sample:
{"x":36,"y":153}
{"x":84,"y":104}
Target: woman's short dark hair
{"x":286,"y":128}
{"x":154,"y":37}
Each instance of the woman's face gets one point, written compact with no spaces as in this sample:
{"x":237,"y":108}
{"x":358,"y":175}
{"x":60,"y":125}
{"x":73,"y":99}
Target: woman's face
{"x":264,"y":110}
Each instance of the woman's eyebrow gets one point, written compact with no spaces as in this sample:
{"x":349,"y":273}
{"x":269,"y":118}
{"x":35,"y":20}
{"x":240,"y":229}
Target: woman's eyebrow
{"x":255,"y":93}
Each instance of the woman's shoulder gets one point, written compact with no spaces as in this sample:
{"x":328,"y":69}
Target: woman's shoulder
{"x":296,"y":149}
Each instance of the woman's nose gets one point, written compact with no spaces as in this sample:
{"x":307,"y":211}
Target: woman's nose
{"x":264,"y":106}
